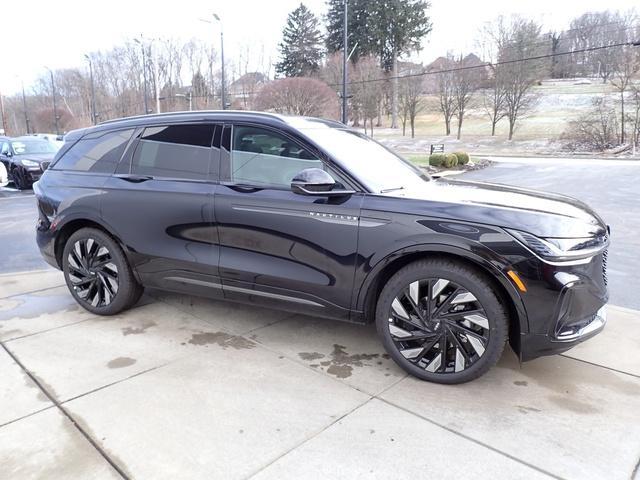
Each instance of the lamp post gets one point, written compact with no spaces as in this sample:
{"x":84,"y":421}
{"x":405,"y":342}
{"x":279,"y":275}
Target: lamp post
{"x":344,"y":64}
{"x":144,"y":73}
{"x":94,"y":114}
{"x":24,"y":105}
{"x":55,"y":106}
{"x":222,"y":90}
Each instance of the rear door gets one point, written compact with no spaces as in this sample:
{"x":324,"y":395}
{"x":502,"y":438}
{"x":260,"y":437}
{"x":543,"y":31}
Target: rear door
{"x":278,"y":247}
{"x":160,"y":204}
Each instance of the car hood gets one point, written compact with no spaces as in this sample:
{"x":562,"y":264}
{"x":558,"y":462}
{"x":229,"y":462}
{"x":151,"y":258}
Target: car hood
{"x":36,"y":157}
{"x":540,"y":213}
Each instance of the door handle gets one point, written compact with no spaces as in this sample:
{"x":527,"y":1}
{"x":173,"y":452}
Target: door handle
{"x":130,"y":177}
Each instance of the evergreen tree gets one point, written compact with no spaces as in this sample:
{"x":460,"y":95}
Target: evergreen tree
{"x":301,"y":46}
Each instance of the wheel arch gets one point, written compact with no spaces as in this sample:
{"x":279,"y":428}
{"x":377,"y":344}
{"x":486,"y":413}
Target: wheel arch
{"x":381,"y":273}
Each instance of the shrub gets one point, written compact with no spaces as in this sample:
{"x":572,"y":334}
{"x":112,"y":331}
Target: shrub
{"x":436,"y":159}
{"x":463,"y":157}
{"x":450,"y":160}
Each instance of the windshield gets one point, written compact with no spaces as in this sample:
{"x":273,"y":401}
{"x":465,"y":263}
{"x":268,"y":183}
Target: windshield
{"x":381,"y":170}
{"x":26,"y":147}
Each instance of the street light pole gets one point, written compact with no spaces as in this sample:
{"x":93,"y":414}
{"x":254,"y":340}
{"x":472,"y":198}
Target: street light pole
{"x":94,"y":114}
{"x":144,"y":74}
{"x":223,"y":88}
{"x":55,"y":106}
{"x":26,"y":112}
{"x":344,"y":65}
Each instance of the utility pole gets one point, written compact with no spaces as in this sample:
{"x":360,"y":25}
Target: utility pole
{"x":344,"y":64}
{"x":26,"y":112}
{"x":94,"y":114}
{"x":4,"y":122}
{"x":223,"y":88}
{"x":55,"y":106}
{"x":144,"y":74}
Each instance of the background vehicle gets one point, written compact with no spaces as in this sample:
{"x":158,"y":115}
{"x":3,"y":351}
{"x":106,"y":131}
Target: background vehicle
{"x":55,"y":139}
{"x":4,"y":175}
{"x":25,"y":158}
{"x":309,"y":216}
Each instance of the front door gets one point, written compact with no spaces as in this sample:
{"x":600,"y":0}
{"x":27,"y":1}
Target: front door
{"x":276,"y":246}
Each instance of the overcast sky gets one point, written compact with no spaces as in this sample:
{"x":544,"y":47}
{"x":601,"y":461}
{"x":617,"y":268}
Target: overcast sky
{"x":37,"y":33}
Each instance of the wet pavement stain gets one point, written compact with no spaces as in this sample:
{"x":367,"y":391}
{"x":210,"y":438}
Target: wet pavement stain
{"x":521,"y":383}
{"x":221,"y":339}
{"x":121,"y":362}
{"x":573,"y":405}
{"x":341,"y":363}
{"x":34,"y":305}
{"x":137,"y":330}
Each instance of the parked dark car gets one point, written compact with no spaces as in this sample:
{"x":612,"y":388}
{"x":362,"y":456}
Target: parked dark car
{"x":310,"y":216}
{"x":25,"y":158}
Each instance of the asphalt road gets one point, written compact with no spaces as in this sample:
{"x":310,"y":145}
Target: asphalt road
{"x":611,"y":187}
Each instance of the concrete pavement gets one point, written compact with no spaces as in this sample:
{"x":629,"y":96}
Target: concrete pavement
{"x":182,"y":387}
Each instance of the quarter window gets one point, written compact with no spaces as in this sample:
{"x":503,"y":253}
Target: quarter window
{"x":262,"y":157}
{"x":100,"y":154}
{"x":174,"y":151}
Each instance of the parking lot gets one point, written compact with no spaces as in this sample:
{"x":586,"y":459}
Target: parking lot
{"x":182,"y":387}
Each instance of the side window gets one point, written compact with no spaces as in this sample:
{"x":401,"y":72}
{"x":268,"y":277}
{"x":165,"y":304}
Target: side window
{"x":263,"y":157}
{"x":4,"y":150}
{"x":174,"y":151}
{"x":99,"y":154}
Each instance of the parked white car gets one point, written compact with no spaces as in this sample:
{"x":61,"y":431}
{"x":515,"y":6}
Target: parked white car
{"x":4,"y":176}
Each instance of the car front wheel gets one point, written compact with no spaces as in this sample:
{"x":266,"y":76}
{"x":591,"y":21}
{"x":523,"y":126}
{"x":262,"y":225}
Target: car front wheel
{"x":98,"y":274}
{"x":441,"y":321}
{"x":21,"y":178}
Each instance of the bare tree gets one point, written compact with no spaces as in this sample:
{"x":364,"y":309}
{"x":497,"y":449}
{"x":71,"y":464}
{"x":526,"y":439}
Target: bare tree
{"x":594,"y":130}
{"x":518,"y":39}
{"x":410,"y":96}
{"x":298,"y":96}
{"x":466,"y":80}
{"x":367,"y":94}
{"x":442,"y":84}
{"x":494,"y":99}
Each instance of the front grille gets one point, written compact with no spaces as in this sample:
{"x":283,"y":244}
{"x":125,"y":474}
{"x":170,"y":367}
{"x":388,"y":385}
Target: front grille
{"x":604,"y":266}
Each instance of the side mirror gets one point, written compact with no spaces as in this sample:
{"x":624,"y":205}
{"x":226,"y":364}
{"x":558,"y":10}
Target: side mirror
{"x":317,"y":182}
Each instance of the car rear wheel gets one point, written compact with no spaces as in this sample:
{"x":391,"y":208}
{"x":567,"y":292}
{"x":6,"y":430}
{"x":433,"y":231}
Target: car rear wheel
{"x":98,"y":274}
{"x":441,"y":321}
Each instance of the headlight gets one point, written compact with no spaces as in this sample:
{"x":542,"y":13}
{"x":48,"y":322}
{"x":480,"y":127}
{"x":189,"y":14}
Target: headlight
{"x":29,"y":163}
{"x":562,"y":249}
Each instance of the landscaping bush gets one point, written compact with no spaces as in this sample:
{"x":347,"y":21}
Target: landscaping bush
{"x":436,"y":159}
{"x":450,"y":160}
{"x":463,"y":157}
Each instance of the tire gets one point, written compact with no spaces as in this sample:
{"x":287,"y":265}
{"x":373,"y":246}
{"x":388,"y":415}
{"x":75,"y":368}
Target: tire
{"x":466,"y":320}
{"x":20,"y":179}
{"x":98,"y":274}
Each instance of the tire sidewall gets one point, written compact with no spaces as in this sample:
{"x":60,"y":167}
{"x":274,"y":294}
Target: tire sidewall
{"x":121,"y":299}
{"x":468,"y":279}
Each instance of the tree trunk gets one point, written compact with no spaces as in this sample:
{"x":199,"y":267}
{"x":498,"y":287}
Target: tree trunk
{"x":371,"y":125}
{"x":404,"y":127}
{"x":394,"y":93}
{"x":413,"y":125}
{"x":512,"y":124}
{"x":493,"y":127}
{"x":622,"y":118}
{"x":459,"y":127}
{"x":447,"y":125}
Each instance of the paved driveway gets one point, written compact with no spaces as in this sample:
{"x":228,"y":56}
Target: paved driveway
{"x":181,"y":387}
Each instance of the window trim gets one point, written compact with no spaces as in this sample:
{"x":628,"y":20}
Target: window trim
{"x":137,"y":138}
{"x":225,"y":159}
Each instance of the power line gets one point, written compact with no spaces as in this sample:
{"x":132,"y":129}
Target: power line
{"x":495,"y":64}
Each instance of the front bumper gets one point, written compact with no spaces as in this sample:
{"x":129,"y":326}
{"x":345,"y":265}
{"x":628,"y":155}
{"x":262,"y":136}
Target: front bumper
{"x":565,"y":305}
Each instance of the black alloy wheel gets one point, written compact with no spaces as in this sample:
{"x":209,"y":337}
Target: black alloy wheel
{"x":441,"y":321}
{"x":20,"y":178}
{"x":98,"y":274}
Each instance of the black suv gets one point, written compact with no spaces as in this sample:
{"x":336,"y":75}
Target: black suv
{"x":25,"y":158}
{"x":309,"y":216}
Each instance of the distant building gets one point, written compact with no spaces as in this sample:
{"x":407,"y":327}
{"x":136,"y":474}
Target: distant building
{"x":247,"y":84}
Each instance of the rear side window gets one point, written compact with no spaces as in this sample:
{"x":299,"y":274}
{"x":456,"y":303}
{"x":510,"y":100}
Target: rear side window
{"x":174,"y":151}
{"x":98,"y":154}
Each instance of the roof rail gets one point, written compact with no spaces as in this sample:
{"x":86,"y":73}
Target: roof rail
{"x":194,"y":112}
